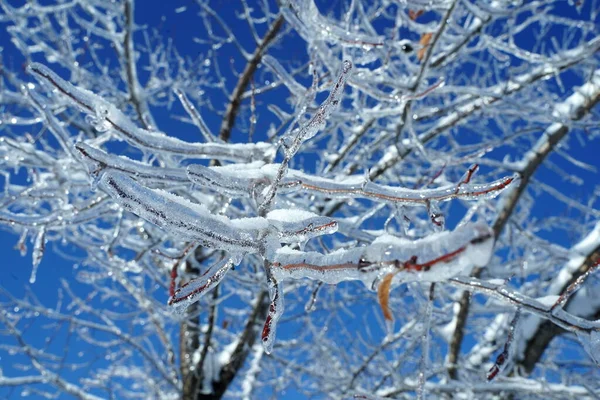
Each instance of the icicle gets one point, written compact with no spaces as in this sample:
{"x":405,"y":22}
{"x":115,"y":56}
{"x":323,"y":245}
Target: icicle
{"x":275,"y":312}
{"x":403,"y":219}
{"x":192,"y":291}
{"x":39,"y":246}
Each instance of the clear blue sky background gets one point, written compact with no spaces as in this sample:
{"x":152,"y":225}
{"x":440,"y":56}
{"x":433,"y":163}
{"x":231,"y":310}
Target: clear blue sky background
{"x":181,"y":27}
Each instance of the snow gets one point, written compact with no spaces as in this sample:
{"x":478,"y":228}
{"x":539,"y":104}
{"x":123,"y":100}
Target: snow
{"x":178,"y":216}
{"x":576,"y":257}
{"x":103,"y":116}
{"x":289,"y":215}
{"x":568,"y":109}
{"x":471,"y":244}
{"x":97,"y":159}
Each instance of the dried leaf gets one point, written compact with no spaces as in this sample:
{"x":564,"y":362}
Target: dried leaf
{"x":426,"y":39}
{"x":413,"y":15}
{"x":383,"y":294}
{"x":424,"y":42}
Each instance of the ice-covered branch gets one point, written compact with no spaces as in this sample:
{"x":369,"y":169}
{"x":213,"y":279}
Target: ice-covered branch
{"x":194,"y":222}
{"x":292,"y":141}
{"x":305,"y":17}
{"x":104,"y":115}
{"x":181,"y":217}
{"x":573,"y":108}
{"x":563,"y":319}
{"x":251,"y":180}
{"x":98,"y":160}
{"x":435,"y":258}
{"x":136,"y":92}
{"x":584,"y":258}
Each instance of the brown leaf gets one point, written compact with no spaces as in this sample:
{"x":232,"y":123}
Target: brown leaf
{"x":424,"y":42}
{"x":413,"y":15}
{"x":383,"y":294}
{"x":425,"y":39}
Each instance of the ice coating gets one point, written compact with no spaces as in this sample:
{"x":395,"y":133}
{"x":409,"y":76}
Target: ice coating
{"x":104,"y":115}
{"x":357,"y":187}
{"x":195,"y":115}
{"x":295,"y":138}
{"x":249,"y":179}
{"x":179,"y":216}
{"x":238,"y":180}
{"x":196,"y":288}
{"x":274,"y":314}
{"x":97,"y":160}
{"x":438,"y":257}
{"x":241,"y":185}
{"x":39,"y":246}
{"x":194,"y":222}
{"x":286,"y":77}
{"x":299,"y":225}
{"x":306,"y":19}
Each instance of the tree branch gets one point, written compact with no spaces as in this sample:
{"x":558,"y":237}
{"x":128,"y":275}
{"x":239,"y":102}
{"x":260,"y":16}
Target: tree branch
{"x":578,"y":107}
{"x":245,"y":78}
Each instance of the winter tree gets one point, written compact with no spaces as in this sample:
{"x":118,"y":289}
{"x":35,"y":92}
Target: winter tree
{"x":299,"y":199}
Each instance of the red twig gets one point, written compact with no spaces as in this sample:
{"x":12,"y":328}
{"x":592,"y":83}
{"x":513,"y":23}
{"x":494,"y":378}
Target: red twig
{"x":503,"y":357}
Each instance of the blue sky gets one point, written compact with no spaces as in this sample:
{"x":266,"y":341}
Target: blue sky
{"x":179,"y":26}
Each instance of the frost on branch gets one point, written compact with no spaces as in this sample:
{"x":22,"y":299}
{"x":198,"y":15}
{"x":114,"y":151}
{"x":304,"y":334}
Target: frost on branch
{"x":97,"y":160}
{"x":435,"y":258}
{"x":104,"y":116}
{"x":196,"y":288}
{"x":294,"y":139}
{"x":180,"y":217}
{"x":249,"y":180}
{"x":194,"y":222}
{"x":274,"y":314}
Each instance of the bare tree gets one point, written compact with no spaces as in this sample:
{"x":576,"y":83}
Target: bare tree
{"x":413,"y":182}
